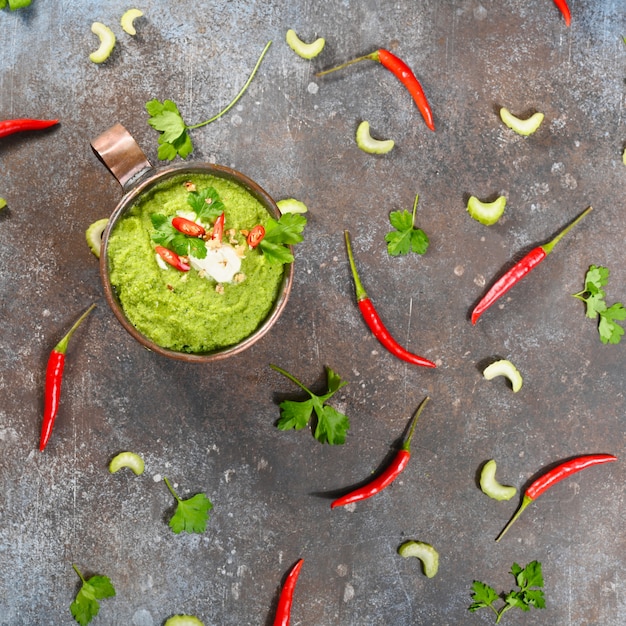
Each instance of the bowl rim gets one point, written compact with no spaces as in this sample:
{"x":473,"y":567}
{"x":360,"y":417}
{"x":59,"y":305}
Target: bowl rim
{"x":153,"y":177}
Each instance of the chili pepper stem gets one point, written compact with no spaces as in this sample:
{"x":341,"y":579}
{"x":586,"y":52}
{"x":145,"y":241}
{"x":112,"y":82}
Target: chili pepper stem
{"x":407,"y":442}
{"x":361,"y":294}
{"x":526,"y":500}
{"x":548,"y":247}
{"x":61,"y":347}
{"x":372,"y":56}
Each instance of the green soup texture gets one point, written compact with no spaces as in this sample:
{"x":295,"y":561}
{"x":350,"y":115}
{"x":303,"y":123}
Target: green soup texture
{"x":183,"y":311}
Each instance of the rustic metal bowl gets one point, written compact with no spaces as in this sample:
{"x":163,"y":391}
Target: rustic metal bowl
{"x":121,"y":154}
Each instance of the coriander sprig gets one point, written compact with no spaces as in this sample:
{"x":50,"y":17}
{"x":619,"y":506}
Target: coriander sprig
{"x":86,"y":606}
{"x":280,"y":233}
{"x":593,"y":296}
{"x":529,"y":580}
{"x":331,"y":425}
{"x":174,"y":138}
{"x":191,"y":514}
{"x":406,"y":237}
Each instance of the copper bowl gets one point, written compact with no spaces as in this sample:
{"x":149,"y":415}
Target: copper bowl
{"x":121,"y":154}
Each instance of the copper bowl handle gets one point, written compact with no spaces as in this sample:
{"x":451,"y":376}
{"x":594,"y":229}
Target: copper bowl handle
{"x":122,"y":155}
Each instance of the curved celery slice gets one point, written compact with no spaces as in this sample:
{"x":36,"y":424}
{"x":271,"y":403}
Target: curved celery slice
{"x":368,"y":144}
{"x":521,"y":127}
{"x":487,"y":213}
{"x":127,"y":20}
{"x":491,"y":487}
{"x":424,"y":552}
{"x":107,"y":42}
{"x":291,"y":205}
{"x":93,"y":234}
{"x":183,"y":620}
{"x":127,"y":459}
{"x":503,"y":367}
{"x":302,"y":49}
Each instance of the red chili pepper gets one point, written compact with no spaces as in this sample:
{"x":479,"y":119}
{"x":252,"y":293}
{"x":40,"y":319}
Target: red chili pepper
{"x":392,"y":471}
{"x":187,"y":227}
{"x":520,"y":269}
{"x":283,"y":611}
{"x":403,"y":73}
{"x":562,"y":4}
{"x":8,"y":127}
{"x":172,"y":258}
{"x":54,"y":378}
{"x":218,"y":228}
{"x":255,"y":236}
{"x":553,"y":476}
{"x":372,"y":319}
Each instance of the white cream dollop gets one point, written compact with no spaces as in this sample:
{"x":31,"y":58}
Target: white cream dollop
{"x":221,"y":263}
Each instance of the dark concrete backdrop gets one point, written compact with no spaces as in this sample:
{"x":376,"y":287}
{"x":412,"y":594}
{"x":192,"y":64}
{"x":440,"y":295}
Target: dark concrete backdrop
{"x":212,"y":428}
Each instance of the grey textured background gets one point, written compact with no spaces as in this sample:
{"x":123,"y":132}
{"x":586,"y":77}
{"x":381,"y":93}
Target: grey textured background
{"x":212,"y":428}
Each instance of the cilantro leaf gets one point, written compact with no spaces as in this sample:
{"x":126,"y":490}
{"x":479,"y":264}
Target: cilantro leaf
{"x":166,"y":118}
{"x":406,"y":237}
{"x":14,"y":4}
{"x":530,"y":576}
{"x":85,"y":605}
{"x":331,"y":426}
{"x":528,"y":580}
{"x":192,"y":514}
{"x":593,"y":296}
{"x":166,"y":235}
{"x":280,"y":233}
{"x":483,"y":596}
{"x":174,"y":138}
{"x":610,"y":332}
{"x":276,"y":253}
{"x":294,"y":415}
{"x":206,"y":204}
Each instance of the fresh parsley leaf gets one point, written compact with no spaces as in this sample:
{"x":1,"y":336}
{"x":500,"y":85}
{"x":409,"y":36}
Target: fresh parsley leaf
{"x":406,"y":238}
{"x":166,"y":235}
{"x":280,"y":233}
{"x":610,"y":331}
{"x":86,"y":606}
{"x":331,"y":426}
{"x":483,"y":596}
{"x":166,"y":118}
{"x":593,"y":296}
{"x":192,"y":514}
{"x":529,"y":580}
{"x":14,"y":4}
{"x":206,"y":204}
{"x":174,"y":138}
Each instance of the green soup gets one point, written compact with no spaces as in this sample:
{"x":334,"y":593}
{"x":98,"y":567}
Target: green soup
{"x":188,"y":311}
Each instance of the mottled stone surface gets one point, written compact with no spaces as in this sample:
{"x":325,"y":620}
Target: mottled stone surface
{"x":211,"y":428}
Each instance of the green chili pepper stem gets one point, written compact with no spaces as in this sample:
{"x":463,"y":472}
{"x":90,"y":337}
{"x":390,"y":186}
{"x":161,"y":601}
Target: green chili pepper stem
{"x":361,"y":294}
{"x":548,"y":247}
{"x":293,"y":379}
{"x":526,"y":500}
{"x":407,"y":442}
{"x":372,"y":56}
{"x":61,"y":347}
{"x":241,"y":92}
